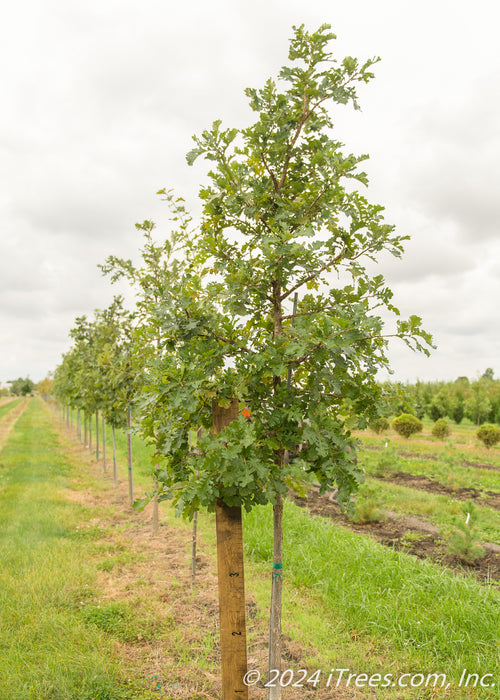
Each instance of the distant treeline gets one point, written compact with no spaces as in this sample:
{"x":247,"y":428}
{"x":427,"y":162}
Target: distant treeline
{"x":25,"y":387}
{"x":477,"y":399}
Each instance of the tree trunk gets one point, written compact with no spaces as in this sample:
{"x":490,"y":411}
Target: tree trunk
{"x":90,"y":433}
{"x":85,"y":430}
{"x":276,"y":594}
{"x":274,"y":693}
{"x":79,"y":425}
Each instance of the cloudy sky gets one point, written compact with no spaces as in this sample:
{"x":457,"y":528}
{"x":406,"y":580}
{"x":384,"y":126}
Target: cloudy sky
{"x":100,"y":100}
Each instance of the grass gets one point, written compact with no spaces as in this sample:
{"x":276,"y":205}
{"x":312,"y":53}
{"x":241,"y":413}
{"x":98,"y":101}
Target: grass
{"x":447,"y":468}
{"x":383,"y":594}
{"x":50,"y":650}
{"x":348,"y":601}
{"x":6,"y":407}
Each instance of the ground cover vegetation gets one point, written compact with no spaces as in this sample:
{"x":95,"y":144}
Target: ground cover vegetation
{"x":349,"y":602}
{"x":8,"y":406}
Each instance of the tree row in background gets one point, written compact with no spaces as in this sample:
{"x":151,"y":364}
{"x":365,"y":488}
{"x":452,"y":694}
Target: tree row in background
{"x":475,"y":399}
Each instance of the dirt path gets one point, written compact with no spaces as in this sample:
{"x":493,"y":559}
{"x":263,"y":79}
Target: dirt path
{"x":424,"y":483}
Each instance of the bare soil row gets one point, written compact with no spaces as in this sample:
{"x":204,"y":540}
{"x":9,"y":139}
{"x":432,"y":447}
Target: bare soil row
{"x":393,"y":532}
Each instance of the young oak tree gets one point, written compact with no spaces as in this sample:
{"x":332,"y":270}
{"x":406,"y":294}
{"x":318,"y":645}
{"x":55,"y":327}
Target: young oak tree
{"x":282,"y":214}
{"x":151,"y":282}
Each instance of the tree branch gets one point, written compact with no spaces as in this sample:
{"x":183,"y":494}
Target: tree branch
{"x":270,"y":172}
{"x":313,"y":275}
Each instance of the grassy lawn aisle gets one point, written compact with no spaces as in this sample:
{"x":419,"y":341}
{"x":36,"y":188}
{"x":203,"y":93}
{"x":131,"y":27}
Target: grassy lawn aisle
{"x":48,"y":648}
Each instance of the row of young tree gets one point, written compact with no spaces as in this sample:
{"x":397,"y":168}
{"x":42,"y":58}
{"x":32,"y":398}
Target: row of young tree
{"x":475,"y":399}
{"x":258,"y":330}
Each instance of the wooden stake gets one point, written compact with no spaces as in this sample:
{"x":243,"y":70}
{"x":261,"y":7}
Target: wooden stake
{"x":97,"y":436}
{"x":129,"y":456}
{"x":230,"y":573}
{"x":115,"y":470}
{"x":104,"y":463}
{"x":193,"y":548}
{"x":155,"y":519}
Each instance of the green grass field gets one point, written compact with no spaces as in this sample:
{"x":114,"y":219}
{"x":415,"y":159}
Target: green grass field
{"x":349,"y":602}
{"x":48,"y":649}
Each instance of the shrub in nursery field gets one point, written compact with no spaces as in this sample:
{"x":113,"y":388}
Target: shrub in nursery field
{"x":368,"y":507}
{"x":462,"y":540}
{"x":387,"y":461}
{"x":379,"y":425}
{"x":406,"y":425}
{"x":441,"y":429}
{"x":489,"y":434}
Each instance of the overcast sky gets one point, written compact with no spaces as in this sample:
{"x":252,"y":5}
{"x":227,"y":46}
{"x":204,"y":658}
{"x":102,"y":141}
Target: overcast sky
{"x":100,"y":100}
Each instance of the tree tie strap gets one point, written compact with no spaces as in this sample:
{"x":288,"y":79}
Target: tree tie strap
{"x":277,"y":573}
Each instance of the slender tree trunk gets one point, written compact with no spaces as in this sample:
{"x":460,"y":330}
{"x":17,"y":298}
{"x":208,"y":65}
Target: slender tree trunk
{"x":79,"y":425}
{"x":193,"y":549}
{"x":274,"y":693}
{"x":97,"y":436}
{"x":276,"y":596}
{"x":85,"y":430}
{"x":129,"y":456}
{"x":115,"y":470}
{"x":104,"y":463}
{"x":90,"y":433}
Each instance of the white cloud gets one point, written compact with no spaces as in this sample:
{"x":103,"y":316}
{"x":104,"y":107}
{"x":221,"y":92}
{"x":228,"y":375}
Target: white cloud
{"x":99,"y":104}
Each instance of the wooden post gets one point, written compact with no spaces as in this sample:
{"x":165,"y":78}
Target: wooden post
{"x":193,"y":548}
{"x":155,"y":521}
{"x":230,"y":573}
{"x":97,"y":436}
{"x":104,"y":463}
{"x":115,"y":471}
{"x":129,"y":456}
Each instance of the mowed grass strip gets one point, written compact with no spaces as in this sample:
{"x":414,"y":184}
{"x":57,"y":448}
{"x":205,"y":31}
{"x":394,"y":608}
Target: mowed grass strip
{"x":49,"y":650}
{"x":6,"y":407}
